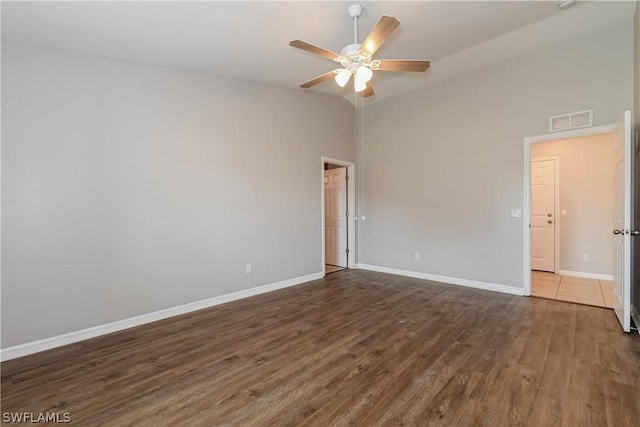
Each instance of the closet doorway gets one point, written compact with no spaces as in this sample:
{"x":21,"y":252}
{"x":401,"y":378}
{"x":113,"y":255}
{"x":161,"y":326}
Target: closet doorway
{"x":338,"y":215}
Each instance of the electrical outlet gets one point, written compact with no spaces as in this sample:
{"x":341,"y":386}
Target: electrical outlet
{"x":516,"y":213}
{"x":585,"y":257}
{"x":247,"y":268}
{"x":416,"y":256}
{"x":563,"y":212}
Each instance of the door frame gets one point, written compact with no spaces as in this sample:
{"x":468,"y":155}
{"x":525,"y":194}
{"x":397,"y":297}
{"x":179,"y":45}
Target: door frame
{"x":526,"y":214}
{"x":351,"y":203}
{"x":556,"y":205}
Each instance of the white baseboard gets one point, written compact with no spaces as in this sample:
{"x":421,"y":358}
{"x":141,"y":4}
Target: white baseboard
{"x":635,"y":316}
{"x":446,"y":279}
{"x":586,"y":275}
{"x":71,"y":337}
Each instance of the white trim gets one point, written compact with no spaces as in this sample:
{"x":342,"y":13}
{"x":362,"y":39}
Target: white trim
{"x":528,"y":141}
{"x":445,"y":279}
{"x":556,"y":208}
{"x":586,"y":275}
{"x":574,"y":133}
{"x":351,"y":203}
{"x":635,"y":316}
{"x":72,"y":337}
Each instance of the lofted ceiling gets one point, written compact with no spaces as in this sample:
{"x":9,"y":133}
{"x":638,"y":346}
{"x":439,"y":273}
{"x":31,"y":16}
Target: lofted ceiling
{"x":249,"y":40}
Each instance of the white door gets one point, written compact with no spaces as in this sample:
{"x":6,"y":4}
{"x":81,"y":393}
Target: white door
{"x":622,"y":223}
{"x":335,"y":216}
{"x":543,"y":215}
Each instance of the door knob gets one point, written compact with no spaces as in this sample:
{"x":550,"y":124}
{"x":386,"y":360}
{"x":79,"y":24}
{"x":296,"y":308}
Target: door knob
{"x":618,"y":232}
{"x":549,"y":215}
{"x":635,"y":232}
{"x":549,"y":221}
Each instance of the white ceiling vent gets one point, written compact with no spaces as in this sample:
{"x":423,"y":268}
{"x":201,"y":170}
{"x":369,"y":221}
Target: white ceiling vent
{"x":579,"y":119}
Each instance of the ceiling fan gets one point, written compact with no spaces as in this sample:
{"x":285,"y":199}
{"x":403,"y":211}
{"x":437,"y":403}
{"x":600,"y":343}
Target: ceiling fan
{"x":356,"y":59}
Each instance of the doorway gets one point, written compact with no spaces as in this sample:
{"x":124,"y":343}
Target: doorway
{"x":336,"y":205}
{"x":568,"y":246}
{"x":338,"y":215}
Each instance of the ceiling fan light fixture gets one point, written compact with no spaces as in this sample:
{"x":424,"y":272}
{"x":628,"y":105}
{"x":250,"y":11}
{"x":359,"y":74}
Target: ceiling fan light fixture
{"x":342,"y":77}
{"x":370,"y":46}
{"x":357,"y":60}
{"x":359,"y":84}
{"x":364,"y":73}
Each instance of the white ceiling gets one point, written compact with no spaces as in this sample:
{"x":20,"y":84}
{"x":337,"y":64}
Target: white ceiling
{"x":249,"y":40}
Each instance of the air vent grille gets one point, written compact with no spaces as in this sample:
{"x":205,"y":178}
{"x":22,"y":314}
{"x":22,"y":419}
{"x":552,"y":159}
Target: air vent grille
{"x":579,"y":119}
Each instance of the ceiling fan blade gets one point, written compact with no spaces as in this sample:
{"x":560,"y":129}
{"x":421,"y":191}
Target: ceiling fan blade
{"x":368,"y":91}
{"x":319,"y":79}
{"x":402,"y":65}
{"x":314,"y":49}
{"x":383,"y":29}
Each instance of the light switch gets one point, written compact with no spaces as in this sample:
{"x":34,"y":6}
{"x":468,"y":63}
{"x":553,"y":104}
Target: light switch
{"x":563,"y":212}
{"x":516,"y":213}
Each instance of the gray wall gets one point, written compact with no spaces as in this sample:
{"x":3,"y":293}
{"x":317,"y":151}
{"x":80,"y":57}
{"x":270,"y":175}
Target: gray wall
{"x":586,"y":192}
{"x":635,"y":242}
{"x":128,"y":189}
{"x":444,"y":165}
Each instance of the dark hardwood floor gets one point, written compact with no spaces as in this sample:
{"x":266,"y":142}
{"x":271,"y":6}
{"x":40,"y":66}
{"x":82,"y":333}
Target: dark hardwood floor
{"x":355,"y":348}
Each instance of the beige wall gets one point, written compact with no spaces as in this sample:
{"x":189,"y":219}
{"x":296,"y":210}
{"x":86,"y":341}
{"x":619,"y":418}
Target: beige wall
{"x":586,"y":192}
{"x":128,"y":189}
{"x":444,"y":165}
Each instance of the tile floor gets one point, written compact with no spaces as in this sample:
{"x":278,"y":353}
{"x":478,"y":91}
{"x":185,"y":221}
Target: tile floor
{"x":572,"y":289}
{"x":328,"y":268}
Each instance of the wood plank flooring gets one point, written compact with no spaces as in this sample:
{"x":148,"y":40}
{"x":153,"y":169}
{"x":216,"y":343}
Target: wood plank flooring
{"x":355,"y":348}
